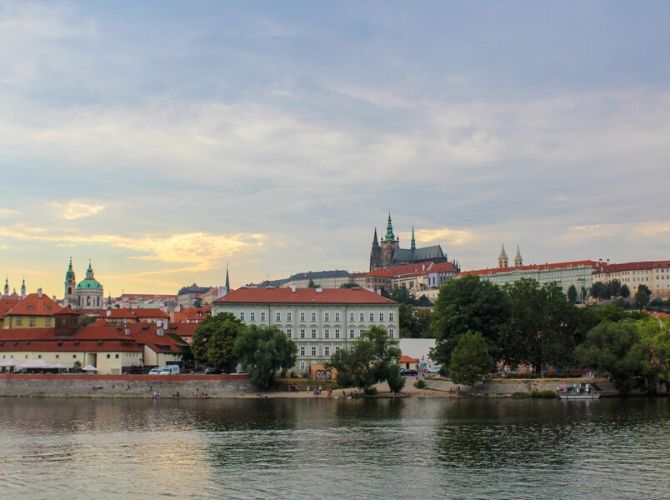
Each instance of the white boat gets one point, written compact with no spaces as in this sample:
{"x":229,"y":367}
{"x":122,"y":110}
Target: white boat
{"x":581,"y":391}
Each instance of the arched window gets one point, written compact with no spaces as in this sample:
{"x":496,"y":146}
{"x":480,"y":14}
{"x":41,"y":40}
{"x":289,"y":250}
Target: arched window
{"x":88,"y":301}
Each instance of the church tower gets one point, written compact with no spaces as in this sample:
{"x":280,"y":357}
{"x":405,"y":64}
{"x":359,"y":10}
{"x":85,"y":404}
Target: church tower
{"x":70,"y":285}
{"x":389,"y":245}
{"x":375,"y":253}
{"x":518,"y":261}
{"x":6,"y":289}
{"x":503,"y":261}
{"x":23,"y":289}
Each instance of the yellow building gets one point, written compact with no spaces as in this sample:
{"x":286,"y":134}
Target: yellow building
{"x":36,"y":310}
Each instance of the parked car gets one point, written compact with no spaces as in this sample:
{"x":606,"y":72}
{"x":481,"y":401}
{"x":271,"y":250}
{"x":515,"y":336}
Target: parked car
{"x":169,"y":370}
{"x":155,"y":371}
{"x":211,"y":370}
{"x":409,"y":372}
{"x":434,"y":370}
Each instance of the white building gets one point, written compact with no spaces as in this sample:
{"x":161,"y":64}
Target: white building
{"x":655,"y":275}
{"x":320,"y":321}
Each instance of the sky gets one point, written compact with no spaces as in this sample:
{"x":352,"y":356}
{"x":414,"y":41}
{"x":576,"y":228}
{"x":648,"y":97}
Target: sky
{"x":168,"y":140}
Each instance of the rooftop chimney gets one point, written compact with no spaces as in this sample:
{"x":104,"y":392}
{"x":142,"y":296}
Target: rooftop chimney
{"x":292,"y":289}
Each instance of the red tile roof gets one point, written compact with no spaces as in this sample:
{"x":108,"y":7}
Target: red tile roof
{"x":35,"y":305}
{"x":192,"y":314}
{"x":302,"y":296}
{"x":408,"y":359}
{"x":134,"y":314}
{"x":7,"y":303}
{"x":636,"y":266}
{"x":535,"y":267}
{"x":183,"y":329}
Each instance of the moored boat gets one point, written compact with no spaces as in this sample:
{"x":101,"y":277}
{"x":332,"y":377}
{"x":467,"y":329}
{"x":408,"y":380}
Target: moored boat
{"x":577,"y":391}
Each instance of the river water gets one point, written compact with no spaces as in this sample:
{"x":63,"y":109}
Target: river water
{"x":407,"y":448}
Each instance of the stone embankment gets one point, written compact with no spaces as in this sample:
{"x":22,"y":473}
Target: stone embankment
{"x":514,"y":387}
{"x":124,"y":386}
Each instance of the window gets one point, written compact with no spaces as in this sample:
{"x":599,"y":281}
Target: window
{"x":326,"y":333}
{"x":313,"y":316}
{"x":19,"y":321}
{"x":241,"y":316}
{"x":381,"y":316}
{"x":326,"y":316}
{"x":337,"y":316}
{"x":262,"y":316}
{"x":109,"y":356}
{"x":360,"y":317}
{"x":74,"y":356}
{"x":31,"y":321}
{"x":303,"y":365}
{"x":57,"y":356}
{"x":288,"y":332}
{"x":39,"y":356}
{"x":351,"y":333}
{"x":391,"y":317}
{"x":278,"y":317}
{"x":313,"y":350}
{"x":326,"y":351}
{"x":116,"y":356}
{"x":337,"y":348}
{"x":391,"y":332}
{"x":337,"y":333}
{"x":313,"y":333}
{"x":288,"y":316}
{"x":302,"y":316}
{"x":47,"y":321}
{"x":302,"y":333}
{"x":372,"y":317}
{"x":253,"y":316}
{"x":302,"y":350}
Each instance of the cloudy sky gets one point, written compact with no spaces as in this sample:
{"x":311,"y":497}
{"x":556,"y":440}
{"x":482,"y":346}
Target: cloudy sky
{"x":165,"y":139}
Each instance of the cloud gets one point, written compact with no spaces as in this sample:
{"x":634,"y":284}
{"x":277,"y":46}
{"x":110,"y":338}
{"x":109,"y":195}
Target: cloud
{"x":8,"y":212}
{"x":454,"y":237}
{"x":78,"y":209}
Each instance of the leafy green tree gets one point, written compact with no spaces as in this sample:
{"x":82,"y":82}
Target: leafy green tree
{"x":470,"y":360}
{"x":395,"y":380}
{"x":610,"y":348}
{"x":572,"y":294}
{"x":542,"y":327}
{"x":468,"y":304}
{"x":372,"y":358}
{"x":414,"y":323}
{"x":614,"y":287}
{"x":625,"y":291}
{"x":214,"y":341}
{"x":349,"y":285}
{"x":263,"y":351}
{"x":642,"y":296}
{"x":653,"y":347}
{"x":401,"y":294}
{"x":311,"y":284}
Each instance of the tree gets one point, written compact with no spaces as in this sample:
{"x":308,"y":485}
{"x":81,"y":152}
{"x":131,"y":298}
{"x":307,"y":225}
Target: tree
{"x":414,"y":323}
{"x":395,"y":379}
{"x":542,"y":326}
{"x":401,"y":294}
{"x":614,"y":288}
{"x":653,"y":348}
{"x":625,"y":291}
{"x":214,"y":341}
{"x":642,"y":296}
{"x":468,"y":304}
{"x":263,"y":351}
{"x":372,"y":358}
{"x":609,"y":348}
{"x":349,"y":285}
{"x":572,"y":294}
{"x":470,"y":360}
{"x":311,"y":284}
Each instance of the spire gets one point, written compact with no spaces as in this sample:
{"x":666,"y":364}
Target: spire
{"x":389,"y":230}
{"x":89,"y":271}
{"x":503,"y":261}
{"x":413,"y":240}
{"x":375,"y":242}
{"x":6,"y":290}
{"x":518,"y":261}
{"x":227,"y":280}
{"x":23,"y":288}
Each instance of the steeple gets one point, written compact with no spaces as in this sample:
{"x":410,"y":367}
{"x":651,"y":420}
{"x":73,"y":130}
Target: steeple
{"x":23,"y":288}
{"x":503,"y":261}
{"x":227,"y":280}
{"x":389,"y":230}
{"x":6,"y":290}
{"x":518,"y":261}
{"x":413,"y":247}
{"x":375,"y":242}
{"x":89,"y":271}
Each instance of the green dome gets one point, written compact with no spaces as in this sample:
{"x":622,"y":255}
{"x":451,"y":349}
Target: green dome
{"x":89,"y":284}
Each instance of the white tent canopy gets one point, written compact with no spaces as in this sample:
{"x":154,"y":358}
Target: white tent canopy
{"x":35,"y":364}
{"x":90,"y":368}
{"x":8,"y":362}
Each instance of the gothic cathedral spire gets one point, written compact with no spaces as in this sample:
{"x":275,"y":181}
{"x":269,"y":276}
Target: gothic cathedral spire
{"x":413,"y":247}
{"x":227,"y":280}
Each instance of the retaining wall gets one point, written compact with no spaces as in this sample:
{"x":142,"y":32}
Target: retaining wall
{"x":516,"y":386}
{"x":123,"y":386}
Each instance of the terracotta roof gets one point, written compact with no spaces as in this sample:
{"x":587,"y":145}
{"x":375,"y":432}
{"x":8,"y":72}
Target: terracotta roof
{"x":303,"y":296}
{"x":183,"y":329}
{"x":535,"y":267}
{"x":408,"y":359}
{"x":636,"y":266}
{"x":192,"y":314}
{"x":7,"y":303}
{"x":35,"y":305}
{"x":420,"y":269}
{"x":136,"y":314}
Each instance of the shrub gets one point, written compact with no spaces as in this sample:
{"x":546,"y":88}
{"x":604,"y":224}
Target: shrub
{"x":420,"y":384}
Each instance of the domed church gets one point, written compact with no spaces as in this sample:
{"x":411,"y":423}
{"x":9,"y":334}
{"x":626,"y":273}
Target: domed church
{"x":87,"y":294}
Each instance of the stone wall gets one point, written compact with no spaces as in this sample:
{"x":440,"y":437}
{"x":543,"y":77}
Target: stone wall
{"x":508,"y":387}
{"x":124,"y":386}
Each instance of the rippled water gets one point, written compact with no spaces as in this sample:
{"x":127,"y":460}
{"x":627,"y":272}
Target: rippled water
{"x":408,"y":448}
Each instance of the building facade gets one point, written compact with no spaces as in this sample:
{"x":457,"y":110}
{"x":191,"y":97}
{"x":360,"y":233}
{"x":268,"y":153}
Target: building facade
{"x":654,"y":274}
{"x":319,"y":321}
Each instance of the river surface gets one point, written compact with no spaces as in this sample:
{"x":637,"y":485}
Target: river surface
{"x":408,"y":448}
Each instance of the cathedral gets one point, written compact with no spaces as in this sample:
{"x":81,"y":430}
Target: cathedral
{"x":388,"y":253}
{"x":87,"y":294}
